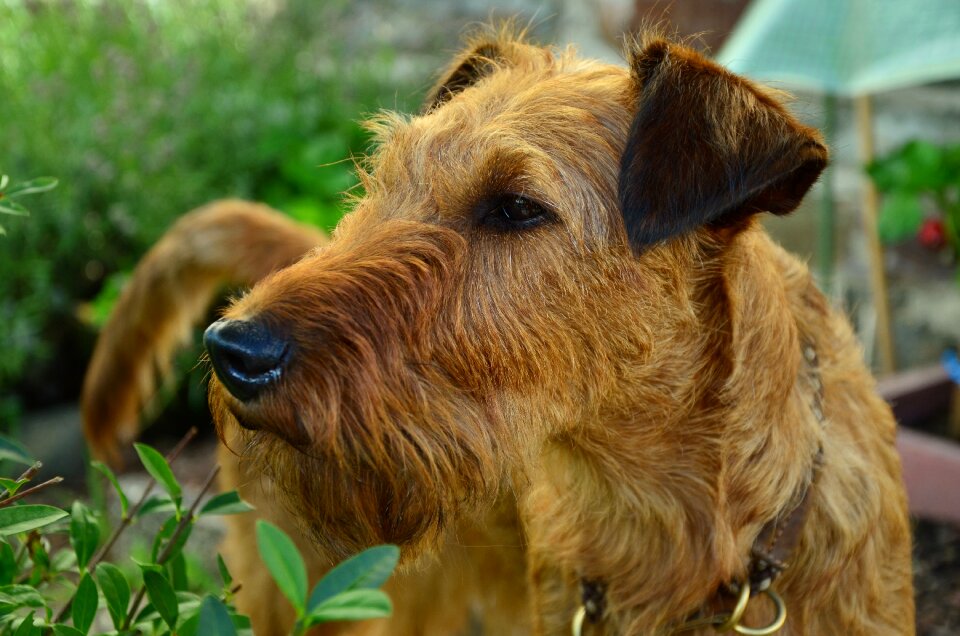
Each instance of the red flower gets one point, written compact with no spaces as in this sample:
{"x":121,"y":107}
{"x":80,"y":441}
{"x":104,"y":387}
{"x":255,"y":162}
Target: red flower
{"x":932,"y":234}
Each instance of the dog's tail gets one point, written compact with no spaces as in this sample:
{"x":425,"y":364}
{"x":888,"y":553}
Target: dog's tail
{"x":225,"y":243}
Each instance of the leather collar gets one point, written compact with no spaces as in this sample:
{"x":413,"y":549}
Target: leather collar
{"x":771,"y":551}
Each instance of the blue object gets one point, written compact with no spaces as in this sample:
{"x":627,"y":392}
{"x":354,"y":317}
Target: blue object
{"x":951,"y":363}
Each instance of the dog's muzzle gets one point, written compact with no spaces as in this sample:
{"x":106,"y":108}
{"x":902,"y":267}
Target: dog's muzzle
{"x":247,"y":356}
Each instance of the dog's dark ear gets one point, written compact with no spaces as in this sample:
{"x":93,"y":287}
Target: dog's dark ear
{"x":480,"y":59}
{"x":707,"y":147}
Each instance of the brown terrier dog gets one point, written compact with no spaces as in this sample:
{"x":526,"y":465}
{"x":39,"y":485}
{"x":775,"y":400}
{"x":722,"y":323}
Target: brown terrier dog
{"x":553,"y":356}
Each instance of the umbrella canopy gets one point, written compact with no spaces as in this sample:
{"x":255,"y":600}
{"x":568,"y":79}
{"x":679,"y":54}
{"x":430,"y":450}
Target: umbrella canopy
{"x":847,"y":47}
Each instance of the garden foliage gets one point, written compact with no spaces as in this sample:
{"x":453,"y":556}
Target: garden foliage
{"x":57,"y":576}
{"x":11,"y":193}
{"x":144,"y":110}
{"x":920,"y":184}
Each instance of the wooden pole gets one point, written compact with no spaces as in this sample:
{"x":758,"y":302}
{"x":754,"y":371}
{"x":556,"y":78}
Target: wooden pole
{"x":878,"y":277}
{"x":826,"y":224}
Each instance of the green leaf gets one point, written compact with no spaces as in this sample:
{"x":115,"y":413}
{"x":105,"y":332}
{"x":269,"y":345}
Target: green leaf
{"x":105,"y":470}
{"x":242,"y":625}
{"x":17,"y":519}
{"x":189,"y":607}
{"x":224,"y":572}
{"x":8,"y":563}
{"x":63,"y":561}
{"x":84,"y":607}
{"x":215,"y":618}
{"x":189,"y":625}
{"x":41,"y":562}
{"x":226,"y":503}
{"x":4,"y":180}
{"x":284,"y":562}
{"x":177,"y":569}
{"x":26,"y":627}
{"x":159,"y":469}
{"x":163,"y":534}
{"x":352,"y":605}
{"x":900,"y":216}
{"x":951,"y":163}
{"x":99,"y":309}
{"x":14,"y":451}
{"x":12,"y":485}
{"x":925,"y":162}
{"x":13,"y":597}
{"x":161,"y":594}
{"x":155,"y":505}
{"x":368,"y":569}
{"x":116,"y":591}
{"x":9,"y":206}
{"x":33,"y":186}
{"x":166,"y":532}
{"x":66,"y":630}
{"x":913,"y":167}
{"x":84,"y":533}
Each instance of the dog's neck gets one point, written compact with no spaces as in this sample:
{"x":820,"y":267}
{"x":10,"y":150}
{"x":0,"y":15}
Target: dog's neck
{"x":672,"y":519}
{"x":770,"y":556}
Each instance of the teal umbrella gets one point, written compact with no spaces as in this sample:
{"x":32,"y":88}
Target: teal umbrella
{"x":849,"y":48}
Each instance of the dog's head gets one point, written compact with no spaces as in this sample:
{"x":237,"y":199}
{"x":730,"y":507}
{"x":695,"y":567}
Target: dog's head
{"x":521,"y":257}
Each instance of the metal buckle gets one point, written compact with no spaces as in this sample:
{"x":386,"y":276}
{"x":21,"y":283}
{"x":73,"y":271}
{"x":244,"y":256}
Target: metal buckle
{"x":577,"y":625}
{"x":732,"y":623}
{"x":724,"y":623}
{"x":721,"y":623}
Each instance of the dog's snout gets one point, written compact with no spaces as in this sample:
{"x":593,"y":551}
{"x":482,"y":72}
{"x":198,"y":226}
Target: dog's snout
{"x":247,"y":356}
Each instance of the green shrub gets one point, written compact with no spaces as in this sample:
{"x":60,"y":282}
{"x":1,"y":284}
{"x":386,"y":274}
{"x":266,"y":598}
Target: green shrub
{"x":145,"y":110}
{"x":11,"y":194}
{"x":55,"y":567}
{"x":920,"y":184}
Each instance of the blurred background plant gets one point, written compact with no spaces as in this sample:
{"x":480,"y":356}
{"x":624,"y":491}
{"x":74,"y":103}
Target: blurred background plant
{"x":920,"y":184}
{"x":10,"y":192}
{"x":145,"y":110}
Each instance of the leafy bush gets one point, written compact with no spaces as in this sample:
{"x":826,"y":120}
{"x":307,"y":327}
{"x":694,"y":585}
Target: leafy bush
{"x":10,"y":195}
{"x":10,"y":192}
{"x":54,"y":569}
{"x":920,"y":183}
{"x":145,"y":110}
{"x":349,"y":592}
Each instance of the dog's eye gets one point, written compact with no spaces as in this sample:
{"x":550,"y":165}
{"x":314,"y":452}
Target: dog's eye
{"x":515,"y":212}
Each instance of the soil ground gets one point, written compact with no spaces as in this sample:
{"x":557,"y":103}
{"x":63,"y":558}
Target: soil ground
{"x":936,"y":565}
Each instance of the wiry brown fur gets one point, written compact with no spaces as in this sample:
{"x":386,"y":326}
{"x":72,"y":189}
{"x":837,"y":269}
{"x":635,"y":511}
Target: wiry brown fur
{"x":620,"y":388}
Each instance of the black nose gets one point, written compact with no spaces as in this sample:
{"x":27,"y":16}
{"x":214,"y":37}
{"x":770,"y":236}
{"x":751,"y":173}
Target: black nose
{"x":247,"y":357}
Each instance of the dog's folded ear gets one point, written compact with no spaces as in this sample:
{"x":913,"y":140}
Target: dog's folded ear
{"x":707,"y":147}
{"x":481,"y":58}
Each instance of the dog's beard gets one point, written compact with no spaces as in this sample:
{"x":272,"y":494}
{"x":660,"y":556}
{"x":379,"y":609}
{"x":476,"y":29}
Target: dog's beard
{"x":348,"y":508}
{"x":368,"y":436}
{"x":350,"y":490}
